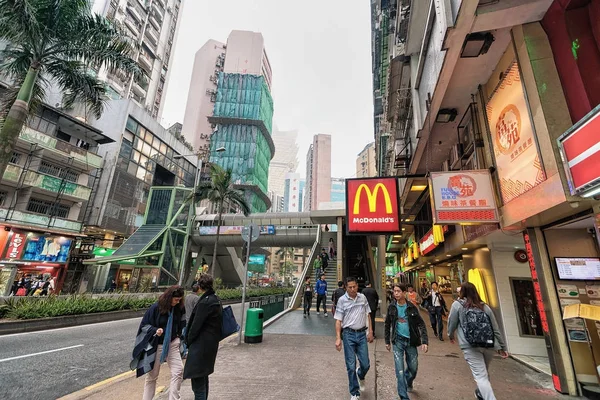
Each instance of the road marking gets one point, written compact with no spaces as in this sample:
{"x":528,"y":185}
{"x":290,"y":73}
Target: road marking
{"x":41,"y":352}
{"x":109,"y":380}
{"x":67,"y":327}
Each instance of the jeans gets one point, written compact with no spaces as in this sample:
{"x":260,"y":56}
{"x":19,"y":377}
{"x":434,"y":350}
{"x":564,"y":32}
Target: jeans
{"x":436,"y":322}
{"x":355,"y":346}
{"x":479,"y":360}
{"x":405,"y":377}
{"x":322,"y":298}
{"x":200,"y":388}
{"x":307,"y":303}
{"x":176,"y":367}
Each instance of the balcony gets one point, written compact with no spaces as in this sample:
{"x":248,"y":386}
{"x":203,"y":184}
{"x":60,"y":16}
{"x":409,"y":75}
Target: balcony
{"x":136,"y":14}
{"x":32,"y":219}
{"x":159,"y":11}
{"x":153,"y":35}
{"x":146,"y":62}
{"x":139,"y":89}
{"x":47,"y":183}
{"x":133,"y":28}
{"x":82,"y":158}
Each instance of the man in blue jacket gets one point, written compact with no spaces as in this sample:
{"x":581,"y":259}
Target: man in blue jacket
{"x":321,"y":289}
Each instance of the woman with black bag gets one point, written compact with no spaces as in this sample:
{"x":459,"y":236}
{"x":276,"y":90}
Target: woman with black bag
{"x":204,"y":331}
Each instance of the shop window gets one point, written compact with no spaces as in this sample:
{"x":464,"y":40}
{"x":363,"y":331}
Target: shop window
{"x":528,"y":317}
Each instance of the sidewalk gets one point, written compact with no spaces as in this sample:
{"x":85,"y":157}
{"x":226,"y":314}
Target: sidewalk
{"x":298,"y":360}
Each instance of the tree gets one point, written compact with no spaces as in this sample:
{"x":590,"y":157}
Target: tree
{"x":220,"y":190}
{"x":287,"y":269}
{"x":56,"y":41}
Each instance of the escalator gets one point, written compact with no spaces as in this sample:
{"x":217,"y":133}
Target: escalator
{"x":358,"y":259}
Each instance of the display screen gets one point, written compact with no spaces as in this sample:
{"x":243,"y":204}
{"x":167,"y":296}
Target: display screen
{"x":577,"y":268}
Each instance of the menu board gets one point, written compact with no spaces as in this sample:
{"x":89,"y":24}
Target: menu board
{"x":581,"y":269}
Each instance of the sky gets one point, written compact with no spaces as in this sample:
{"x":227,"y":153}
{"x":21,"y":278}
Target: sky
{"x":320,"y":53}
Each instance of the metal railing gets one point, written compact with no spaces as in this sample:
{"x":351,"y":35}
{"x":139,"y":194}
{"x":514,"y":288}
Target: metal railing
{"x":315,"y":249}
{"x":271,"y":305}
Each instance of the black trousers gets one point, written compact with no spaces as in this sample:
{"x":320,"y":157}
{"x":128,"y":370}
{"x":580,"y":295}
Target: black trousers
{"x":200,"y":388}
{"x":322,"y":298}
{"x":372,"y":315}
{"x":307,"y":303}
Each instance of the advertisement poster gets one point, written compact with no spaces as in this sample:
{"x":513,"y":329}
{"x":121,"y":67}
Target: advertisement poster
{"x":567,"y":291}
{"x":463,"y":197}
{"x":517,"y":158}
{"x":46,"y":248}
{"x":593,"y":291}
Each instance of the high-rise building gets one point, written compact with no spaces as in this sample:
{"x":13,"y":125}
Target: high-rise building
{"x":153,"y":26}
{"x":338,"y":190}
{"x":285,"y":159}
{"x":318,"y":172}
{"x":365,"y":162}
{"x":231,"y":89}
{"x":293,"y":193}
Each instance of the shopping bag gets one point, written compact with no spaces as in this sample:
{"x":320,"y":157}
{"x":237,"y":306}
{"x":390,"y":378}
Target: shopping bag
{"x":230,"y":325}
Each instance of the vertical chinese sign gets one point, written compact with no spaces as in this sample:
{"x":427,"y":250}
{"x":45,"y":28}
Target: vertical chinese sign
{"x":517,"y":157}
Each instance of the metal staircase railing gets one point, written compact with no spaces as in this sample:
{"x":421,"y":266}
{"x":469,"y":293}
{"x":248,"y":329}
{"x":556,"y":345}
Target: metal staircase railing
{"x":314,"y":251}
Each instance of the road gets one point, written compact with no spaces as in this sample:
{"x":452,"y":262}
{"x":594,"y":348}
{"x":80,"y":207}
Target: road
{"x":73,"y":358}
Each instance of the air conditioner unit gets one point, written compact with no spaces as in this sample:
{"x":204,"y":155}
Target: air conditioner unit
{"x":211,"y":92}
{"x":213,"y":98}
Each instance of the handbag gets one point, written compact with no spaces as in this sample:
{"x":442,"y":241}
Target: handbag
{"x":21,"y":292}
{"x":229,"y":325}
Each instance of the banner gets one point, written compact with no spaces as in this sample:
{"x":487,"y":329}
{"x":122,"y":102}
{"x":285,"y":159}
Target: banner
{"x":372,"y":206}
{"x":517,"y":157}
{"x":462,"y":197}
{"x":234,"y":230}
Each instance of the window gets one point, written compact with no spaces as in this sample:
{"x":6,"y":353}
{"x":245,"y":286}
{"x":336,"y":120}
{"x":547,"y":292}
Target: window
{"x":46,"y":207}
{"x":132,"y":126}
{"x":128,"y":137}
{"x":528,"y":317}
{"x":3,"y":195}
{"x":42,"y":125}
{"x":16,"y":157}
{"x":63,"y":136}
{"x":125,"y":150}
{"x":64,"y":173}
{"x":132,"y":169}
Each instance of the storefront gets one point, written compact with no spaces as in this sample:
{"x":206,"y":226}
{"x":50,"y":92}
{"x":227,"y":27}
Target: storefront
{"x":41,"y":255}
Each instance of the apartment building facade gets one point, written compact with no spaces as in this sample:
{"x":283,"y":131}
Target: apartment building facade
{"x":318,"y":172}
{"x":365,"y":162}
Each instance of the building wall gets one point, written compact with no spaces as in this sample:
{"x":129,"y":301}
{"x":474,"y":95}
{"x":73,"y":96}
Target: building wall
{"x":365,"y":162}
{"x":338,"y":190}
{"x":246,"y":55}
{"x":321,"y":170}
{"x":307,"y":206}
{"x":292,"y":201}
{"x":506,"y":267}
{"x":199,"y":106}
{"x":284,"y":161}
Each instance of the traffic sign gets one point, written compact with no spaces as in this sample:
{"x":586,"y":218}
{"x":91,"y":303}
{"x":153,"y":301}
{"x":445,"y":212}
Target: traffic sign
{"x":246,"y":232}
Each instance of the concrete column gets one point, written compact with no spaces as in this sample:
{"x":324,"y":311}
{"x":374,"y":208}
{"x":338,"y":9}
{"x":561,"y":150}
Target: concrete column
{"x":340,"y":247}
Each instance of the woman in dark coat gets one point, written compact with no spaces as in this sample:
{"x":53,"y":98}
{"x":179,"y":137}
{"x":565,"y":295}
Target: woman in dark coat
{"x":204,"y":331}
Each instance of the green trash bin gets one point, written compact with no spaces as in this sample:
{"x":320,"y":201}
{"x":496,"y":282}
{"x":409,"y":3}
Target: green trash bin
{"x":254,"y":325}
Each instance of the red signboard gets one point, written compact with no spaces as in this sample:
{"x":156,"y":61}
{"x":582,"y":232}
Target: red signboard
{"x":581,"y":152}
{"x":427,"y":243}
{"x":372,"y":206}
{"x":16,"y":245}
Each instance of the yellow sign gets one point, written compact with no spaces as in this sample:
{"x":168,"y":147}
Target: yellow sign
{"x":372,"y":198}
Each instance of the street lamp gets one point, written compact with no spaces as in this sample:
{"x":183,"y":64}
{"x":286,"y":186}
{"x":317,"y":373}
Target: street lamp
{"x":193,"y":214}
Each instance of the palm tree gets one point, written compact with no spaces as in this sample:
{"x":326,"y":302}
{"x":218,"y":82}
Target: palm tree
{"x":56,"y":41}
{"x":220,"y":190}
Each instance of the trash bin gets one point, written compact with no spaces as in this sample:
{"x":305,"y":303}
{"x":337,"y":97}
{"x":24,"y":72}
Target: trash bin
{"x":254,"y":325}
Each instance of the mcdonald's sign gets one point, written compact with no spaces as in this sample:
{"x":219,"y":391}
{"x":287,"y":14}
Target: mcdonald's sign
{"x":372,"y":206}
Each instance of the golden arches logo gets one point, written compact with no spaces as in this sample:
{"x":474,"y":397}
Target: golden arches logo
{"x":372,"y":198}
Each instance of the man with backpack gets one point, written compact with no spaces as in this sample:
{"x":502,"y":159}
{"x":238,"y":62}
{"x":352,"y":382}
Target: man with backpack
{"x":478,"y":335}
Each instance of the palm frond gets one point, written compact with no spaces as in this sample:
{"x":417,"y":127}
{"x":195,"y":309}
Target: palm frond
{"x":18,"y":21}
{"x":238,"y":198}
{"x":17,"y":61}
{"x":9,"y":96}
{"x":78,"y":85}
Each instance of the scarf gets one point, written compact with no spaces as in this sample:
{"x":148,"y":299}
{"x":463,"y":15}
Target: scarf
{"x":167,"y":339}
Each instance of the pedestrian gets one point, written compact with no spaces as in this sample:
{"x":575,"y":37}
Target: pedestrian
{"x":324,"y":260}
{"x":352,"y":326}
{"x":46,"y":286}
{"x":307,"y":289}
{"x":413,"y":296}
{"x":203,"y":336}
{"x":331,"y":248}
{"x":478,"y":336}
{"x":113,"y":286}
{"x":317,"y":264}
{"x":335,"y":296}
{"x":321,"y":291}
{"x":158,"y":341}
{"x":190,"y":303}
{"x":405,"y":331}
{"x":436,"y":306}
{"x":424,"y":289}
{"x":373,"y":299}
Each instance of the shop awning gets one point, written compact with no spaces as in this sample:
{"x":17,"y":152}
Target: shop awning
{"x":137,"y":246}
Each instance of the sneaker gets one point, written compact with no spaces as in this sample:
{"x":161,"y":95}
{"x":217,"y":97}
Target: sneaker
{"x":409,"y":389}
{"x":325,"y":315}
{"x":355,"y":397}
{"x":361,"y":382}
{"x":478,"y":394}
{"x":318,"y":313}
{"x":304,"y":315}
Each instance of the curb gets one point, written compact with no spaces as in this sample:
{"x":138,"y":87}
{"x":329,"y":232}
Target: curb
{"x":97,"y":387}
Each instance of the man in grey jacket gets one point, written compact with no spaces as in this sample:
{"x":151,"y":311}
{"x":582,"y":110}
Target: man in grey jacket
{"x":190,"y":302}
{"x":478,"y":358}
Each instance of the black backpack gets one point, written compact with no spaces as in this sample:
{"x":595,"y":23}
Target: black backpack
{"x":477,"y":327}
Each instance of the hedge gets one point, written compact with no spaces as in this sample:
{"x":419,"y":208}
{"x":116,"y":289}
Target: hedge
{"x":45,"y":307}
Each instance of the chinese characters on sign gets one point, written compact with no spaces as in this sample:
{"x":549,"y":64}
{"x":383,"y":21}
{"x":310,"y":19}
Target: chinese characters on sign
{"x":462,"y":197}
{"x":517,"y":158}
{"x":372,"y":206}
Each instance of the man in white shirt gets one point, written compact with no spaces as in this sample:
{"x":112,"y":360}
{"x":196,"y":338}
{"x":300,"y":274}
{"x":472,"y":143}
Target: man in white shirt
{"x":352,"y":326}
